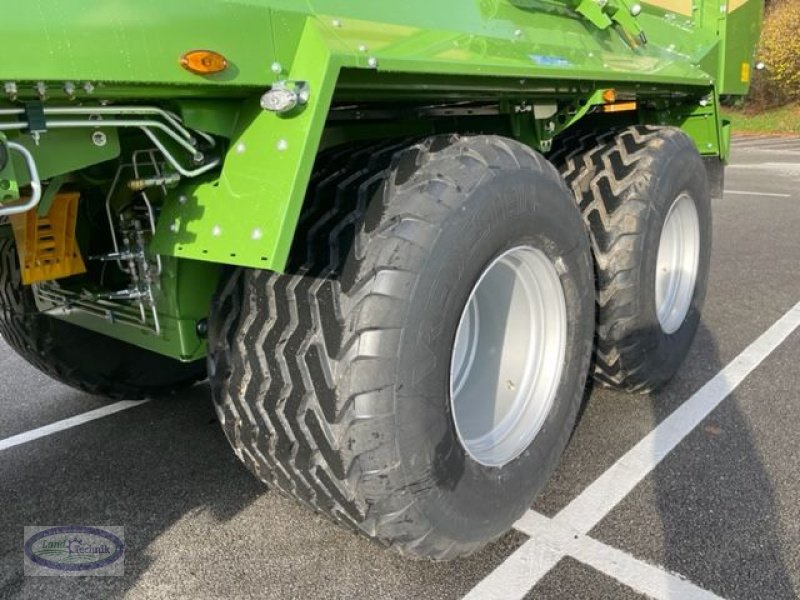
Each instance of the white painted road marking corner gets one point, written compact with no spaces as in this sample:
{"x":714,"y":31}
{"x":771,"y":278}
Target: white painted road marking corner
{"x":526,"y":566}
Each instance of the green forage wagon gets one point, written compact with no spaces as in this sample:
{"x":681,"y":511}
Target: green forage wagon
{"x":395,"y":236}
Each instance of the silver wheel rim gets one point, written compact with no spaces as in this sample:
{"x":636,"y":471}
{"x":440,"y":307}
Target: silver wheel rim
{"x":677,"y":263}
{"x":508,"y":356}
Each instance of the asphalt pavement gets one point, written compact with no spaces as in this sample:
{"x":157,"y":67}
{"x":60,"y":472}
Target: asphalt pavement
{"x":720,"y":514}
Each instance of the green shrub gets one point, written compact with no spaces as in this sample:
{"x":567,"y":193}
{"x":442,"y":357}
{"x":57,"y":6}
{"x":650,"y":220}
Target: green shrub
{"x":779,"y":50}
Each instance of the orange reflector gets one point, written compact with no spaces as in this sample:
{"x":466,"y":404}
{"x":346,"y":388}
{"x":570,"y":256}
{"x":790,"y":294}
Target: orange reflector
{"x":204,"y":62}
{"x":619,"y":107}
{"x":609,"y":96}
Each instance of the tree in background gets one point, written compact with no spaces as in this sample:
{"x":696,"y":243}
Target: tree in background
{"x":779,"y":50}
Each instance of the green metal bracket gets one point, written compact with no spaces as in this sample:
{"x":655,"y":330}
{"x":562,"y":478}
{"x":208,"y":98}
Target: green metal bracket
{"x":594,"y":12}
{"x":604,"y":13}
{"x":52,"y":158}
{"x":217,"y":117}
{"x":699,"y":120}
{"x":725,"y":141}
{"x":585,"y":105}
{"x":9,"y":187}
{"x":538,"y":129}
{"x":623,"y":15}
{"x":49,"y":193}
{"x":248,"y":216}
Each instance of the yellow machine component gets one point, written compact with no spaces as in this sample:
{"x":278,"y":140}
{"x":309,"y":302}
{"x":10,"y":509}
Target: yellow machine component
{"x":46,"y":245}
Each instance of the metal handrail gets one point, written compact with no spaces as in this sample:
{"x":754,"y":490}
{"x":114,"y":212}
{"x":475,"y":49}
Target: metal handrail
{"x":36,"y":183}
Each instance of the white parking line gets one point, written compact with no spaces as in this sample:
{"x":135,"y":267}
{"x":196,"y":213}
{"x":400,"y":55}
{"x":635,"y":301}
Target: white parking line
{"x":744,"y":193}
{"x":784,"y":151}
{"x":98,"y":413}
{"x":790,"y":169}
{"x":554,"y":540}
{"x":512,"y":578}
{"x":787,"y":144}
{"x":766,"y":143}
{"x":763,"y":145}
{"x":531,"y":562}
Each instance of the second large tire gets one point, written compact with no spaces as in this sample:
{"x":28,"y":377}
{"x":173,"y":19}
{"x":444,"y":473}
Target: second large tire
{"x":333,"y":381}
{"x":644,"y":195}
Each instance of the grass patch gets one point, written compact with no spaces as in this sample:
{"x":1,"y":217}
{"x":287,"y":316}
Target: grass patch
{"x":776,"y":121}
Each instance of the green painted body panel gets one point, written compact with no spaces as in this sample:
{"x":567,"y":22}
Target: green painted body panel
{"x":178,"y":337}
{"x":140,"y":41}
{"x":514,"y":54}
{"x":742,"y":28}
{"x":249,"y":214}
{"x":182,"y":300}
{"x":109,"y":42}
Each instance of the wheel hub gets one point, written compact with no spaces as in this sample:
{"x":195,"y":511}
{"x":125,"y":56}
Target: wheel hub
{"x":677,"y":263}
{"x":508,"y":356}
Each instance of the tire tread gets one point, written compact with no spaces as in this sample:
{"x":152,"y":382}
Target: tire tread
{"x":332,"y":319}
{"x":604,"y":172}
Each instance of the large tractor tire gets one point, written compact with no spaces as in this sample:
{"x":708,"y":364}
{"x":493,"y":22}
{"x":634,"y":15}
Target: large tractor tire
{"x":89,"y":361}
{"x":417,"y":371}
{"x":644,"y":195}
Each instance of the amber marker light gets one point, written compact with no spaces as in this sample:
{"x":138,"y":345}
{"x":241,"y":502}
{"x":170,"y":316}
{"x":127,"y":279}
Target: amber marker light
{"x":619,"y":107}
{"x":204,"y":62}
{"x":609,"y":96}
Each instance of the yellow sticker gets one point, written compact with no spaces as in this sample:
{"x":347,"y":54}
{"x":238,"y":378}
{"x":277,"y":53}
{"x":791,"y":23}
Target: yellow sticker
{"x":745,"y":72}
